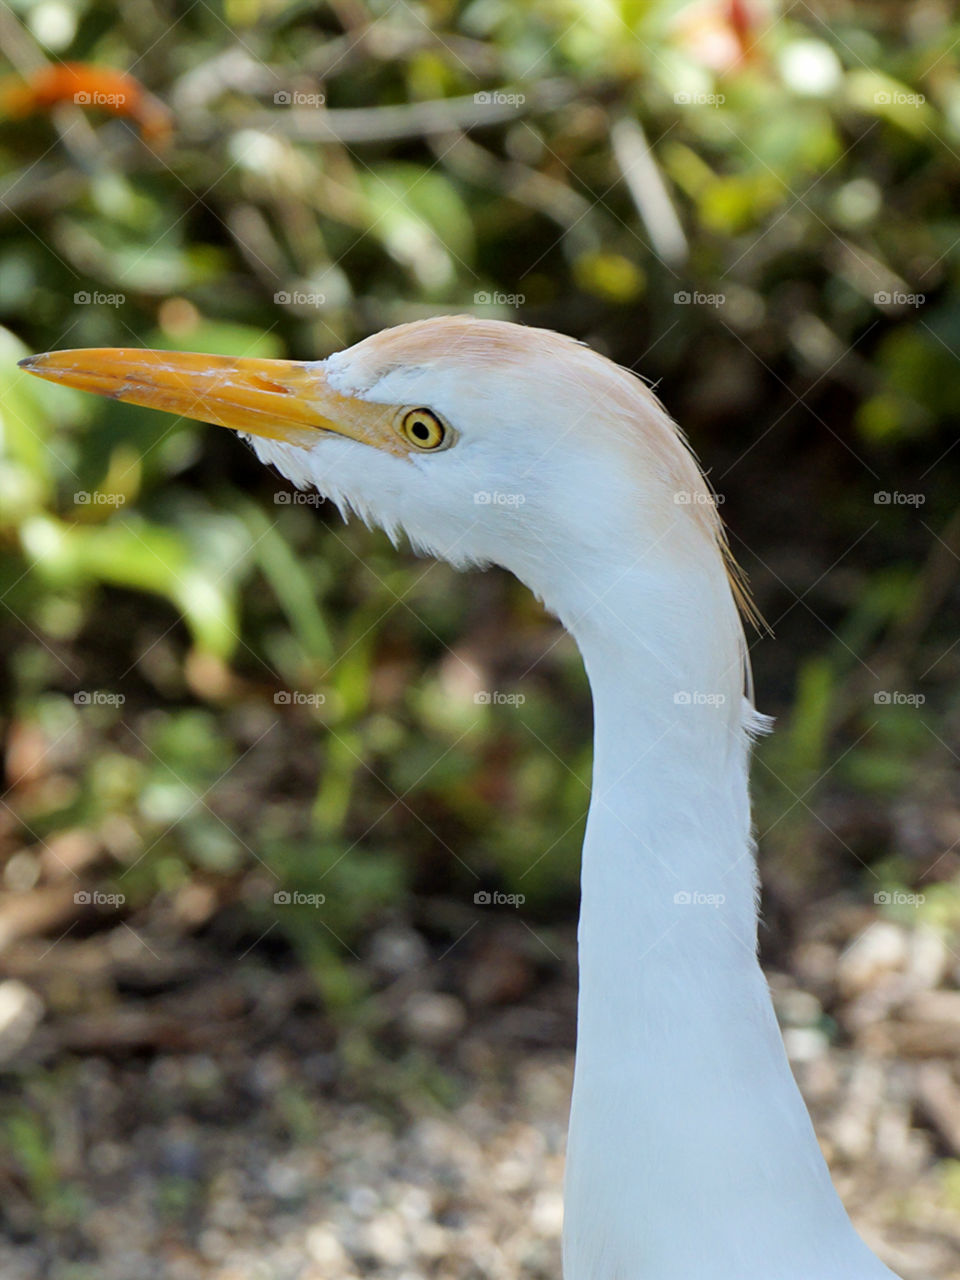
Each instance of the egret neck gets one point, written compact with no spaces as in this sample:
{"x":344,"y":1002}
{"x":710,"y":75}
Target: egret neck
{"x":690,"y":1152}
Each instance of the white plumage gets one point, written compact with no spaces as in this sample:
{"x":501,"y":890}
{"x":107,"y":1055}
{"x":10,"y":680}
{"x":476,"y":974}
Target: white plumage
{"x":691,"y":1155}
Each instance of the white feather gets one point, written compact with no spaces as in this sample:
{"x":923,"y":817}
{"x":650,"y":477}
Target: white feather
{"x":691,"y":1155}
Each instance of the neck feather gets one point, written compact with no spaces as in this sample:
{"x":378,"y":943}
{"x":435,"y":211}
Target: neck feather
{"x":691,"y":1153}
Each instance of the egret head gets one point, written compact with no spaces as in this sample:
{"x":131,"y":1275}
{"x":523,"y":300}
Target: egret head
{"x":482,"y":441}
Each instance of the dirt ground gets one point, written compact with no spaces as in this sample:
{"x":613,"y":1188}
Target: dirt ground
{"x":170,"y":1117}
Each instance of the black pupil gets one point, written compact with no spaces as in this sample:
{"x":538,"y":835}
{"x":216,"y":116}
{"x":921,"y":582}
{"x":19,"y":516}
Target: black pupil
{"x":420,"y":429}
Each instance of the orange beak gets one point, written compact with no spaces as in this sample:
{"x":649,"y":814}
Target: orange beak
{"x":288,"y":400}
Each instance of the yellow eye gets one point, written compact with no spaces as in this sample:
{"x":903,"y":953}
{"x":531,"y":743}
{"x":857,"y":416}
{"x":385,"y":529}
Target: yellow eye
{"x":423,"y":429}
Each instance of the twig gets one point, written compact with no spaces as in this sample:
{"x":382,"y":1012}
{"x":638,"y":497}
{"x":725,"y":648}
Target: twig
{"x":413,"y":119}
{"x":645,"y":183}
{"x":939,"y":1098}
{"x":515,"y":180}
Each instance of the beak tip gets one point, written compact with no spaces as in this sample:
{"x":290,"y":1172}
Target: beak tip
{"x":28,"y":362}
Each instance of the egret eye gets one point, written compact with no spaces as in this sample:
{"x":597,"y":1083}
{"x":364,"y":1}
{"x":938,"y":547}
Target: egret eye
{"x":423,"y":429}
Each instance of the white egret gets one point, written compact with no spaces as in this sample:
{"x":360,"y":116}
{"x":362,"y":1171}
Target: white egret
{"x":691,"y":1155}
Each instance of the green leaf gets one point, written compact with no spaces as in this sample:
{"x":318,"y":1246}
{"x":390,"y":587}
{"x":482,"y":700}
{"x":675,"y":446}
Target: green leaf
{"x":421,"y":220}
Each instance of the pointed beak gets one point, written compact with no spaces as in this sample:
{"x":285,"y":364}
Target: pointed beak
{"x":288,"y":400}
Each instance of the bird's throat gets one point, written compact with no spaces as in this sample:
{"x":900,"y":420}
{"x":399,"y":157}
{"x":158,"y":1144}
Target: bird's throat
{"x":690,"y":1153}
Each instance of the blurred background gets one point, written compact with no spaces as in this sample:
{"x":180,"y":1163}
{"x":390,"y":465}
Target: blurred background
{"x":290,"y":829}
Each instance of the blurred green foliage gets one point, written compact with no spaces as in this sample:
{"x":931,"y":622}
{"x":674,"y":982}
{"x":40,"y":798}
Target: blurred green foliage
{"x":764,"y":217}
